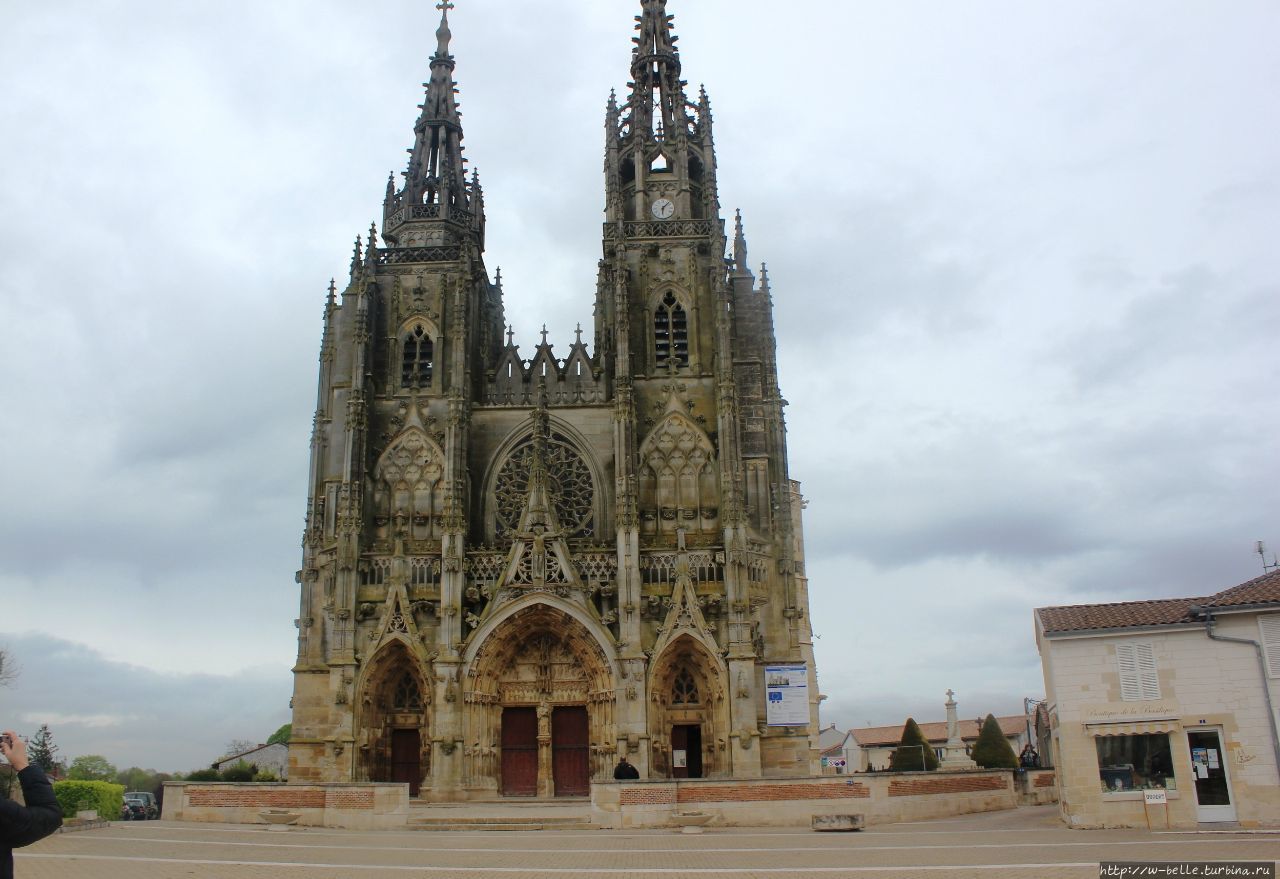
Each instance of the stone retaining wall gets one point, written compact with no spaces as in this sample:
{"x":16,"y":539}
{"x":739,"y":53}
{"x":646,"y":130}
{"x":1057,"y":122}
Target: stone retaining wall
{"x":349,"y":806}
{"x":883,"y":797}
{"x":1036,"y":787}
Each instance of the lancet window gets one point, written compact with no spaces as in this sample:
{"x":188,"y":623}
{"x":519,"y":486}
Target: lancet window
{"x":671,"y":331}
{"x":684,"y":689}
{"x":417,"y":355}
{"x":408,"y":696}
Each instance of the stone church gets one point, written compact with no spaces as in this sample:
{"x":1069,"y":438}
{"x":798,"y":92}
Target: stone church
{"x":519,"y":567}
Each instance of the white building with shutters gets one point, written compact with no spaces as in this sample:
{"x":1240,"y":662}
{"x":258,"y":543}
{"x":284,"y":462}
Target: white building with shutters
{"x":1173,"y":697}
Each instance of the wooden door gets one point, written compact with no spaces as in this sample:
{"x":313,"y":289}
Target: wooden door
{"x":406,"y":758}
{"x":570,"y":752}
{"x":694,"y":738}
{"x":519,"y":752}
{"x":686,"y":751}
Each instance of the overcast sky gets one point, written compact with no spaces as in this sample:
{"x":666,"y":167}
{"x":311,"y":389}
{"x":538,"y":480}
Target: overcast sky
{"x":1024,"y":266}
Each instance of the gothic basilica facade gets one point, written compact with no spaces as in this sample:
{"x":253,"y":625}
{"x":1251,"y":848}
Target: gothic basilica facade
{"x":519,"y":568}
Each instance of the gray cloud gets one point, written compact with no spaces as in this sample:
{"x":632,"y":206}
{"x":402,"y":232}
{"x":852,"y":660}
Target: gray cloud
{"x":136,"y":716}
{"x":1022,"y":264}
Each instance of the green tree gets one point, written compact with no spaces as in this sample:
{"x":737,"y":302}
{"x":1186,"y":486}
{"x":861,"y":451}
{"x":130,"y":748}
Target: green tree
{"x":282,"y":735}
{"x":992,"y":750}
{"x":92,"y":767}
{"x":912,"y":748}
{"x":135,"y":779}
{"x":42,"y":751}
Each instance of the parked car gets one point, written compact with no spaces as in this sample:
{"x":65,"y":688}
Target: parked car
{"x":148,"y":800}
{"x":134,"y":810}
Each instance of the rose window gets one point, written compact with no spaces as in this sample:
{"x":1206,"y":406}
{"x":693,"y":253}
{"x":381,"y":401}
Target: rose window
{"x":569,"y":487}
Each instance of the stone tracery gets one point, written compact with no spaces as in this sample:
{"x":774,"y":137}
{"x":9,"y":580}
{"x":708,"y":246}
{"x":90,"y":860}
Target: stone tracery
{"x":569,"y":485}
{"x":679,"y":488}
{"x":408,"y":496}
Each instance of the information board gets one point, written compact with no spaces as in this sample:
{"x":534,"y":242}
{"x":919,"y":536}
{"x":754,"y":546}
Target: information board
{"x":787,"y":692}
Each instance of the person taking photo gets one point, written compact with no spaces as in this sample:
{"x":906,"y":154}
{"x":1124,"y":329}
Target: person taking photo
{"x":23,"y":825}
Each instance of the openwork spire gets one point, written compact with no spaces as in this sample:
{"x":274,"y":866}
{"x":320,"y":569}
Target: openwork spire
{"x":436,"y":173}
{"x":658,"y":102}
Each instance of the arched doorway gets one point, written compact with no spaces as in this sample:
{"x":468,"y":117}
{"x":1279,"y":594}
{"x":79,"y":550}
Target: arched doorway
{"x":688,"y":716}
{"x":394,"y":735}
{"x":540,"y":706}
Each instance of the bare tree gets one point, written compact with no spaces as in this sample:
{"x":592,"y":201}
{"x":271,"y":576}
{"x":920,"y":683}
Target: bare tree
{"x":239,"y":746}
{"x":8,"y":671}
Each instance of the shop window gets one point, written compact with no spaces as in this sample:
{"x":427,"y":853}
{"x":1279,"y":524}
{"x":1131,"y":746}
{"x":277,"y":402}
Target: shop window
{"x":1134,"y":762}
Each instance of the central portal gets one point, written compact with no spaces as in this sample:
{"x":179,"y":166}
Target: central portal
{"x":541,"y":757}
{"x":540,"y":700}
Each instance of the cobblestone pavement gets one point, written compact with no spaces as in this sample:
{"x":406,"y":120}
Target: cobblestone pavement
{"x":1008,"y":845}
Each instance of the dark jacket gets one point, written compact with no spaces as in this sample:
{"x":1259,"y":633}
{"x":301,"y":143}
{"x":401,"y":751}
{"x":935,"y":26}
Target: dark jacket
{"x":625,"y":771}
{"x":23,"y":825}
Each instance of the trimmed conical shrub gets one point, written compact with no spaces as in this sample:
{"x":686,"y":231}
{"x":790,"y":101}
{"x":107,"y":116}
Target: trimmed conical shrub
{"x":992,"y":750}
{"x":911,"y":748}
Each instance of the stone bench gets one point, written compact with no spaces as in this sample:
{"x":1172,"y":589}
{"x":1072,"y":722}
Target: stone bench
{"x":839,"y":823}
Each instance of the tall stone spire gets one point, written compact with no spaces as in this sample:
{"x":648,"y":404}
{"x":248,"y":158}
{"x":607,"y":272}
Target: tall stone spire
{"x":436,"y":175}
{"x":658,"y":102}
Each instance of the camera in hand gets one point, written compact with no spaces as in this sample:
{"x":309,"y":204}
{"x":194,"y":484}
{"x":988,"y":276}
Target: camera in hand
{"x":8,"y":740}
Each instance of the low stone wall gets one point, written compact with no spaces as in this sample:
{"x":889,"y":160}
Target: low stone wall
{"x":1036,"y":787}
{"x":883,"y":797}
{"x":349,"y":806}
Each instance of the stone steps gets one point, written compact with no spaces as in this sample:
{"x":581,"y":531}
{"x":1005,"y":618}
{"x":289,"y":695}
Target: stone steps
{"x":501,"y":815}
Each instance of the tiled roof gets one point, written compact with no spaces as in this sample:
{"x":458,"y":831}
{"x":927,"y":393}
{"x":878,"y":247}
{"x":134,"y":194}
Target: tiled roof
{"x":878,"y":736}
{"x":255,"y":749}
{"x":1122,"y":615}
{"x":1262,"y":590}
{"x":1157,"y":612}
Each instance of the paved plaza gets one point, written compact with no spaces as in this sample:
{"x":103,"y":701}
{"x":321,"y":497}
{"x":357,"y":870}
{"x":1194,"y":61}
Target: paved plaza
{"x":1007,"y":845}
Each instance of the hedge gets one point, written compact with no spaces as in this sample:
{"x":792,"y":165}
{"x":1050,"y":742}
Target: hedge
{"x":75,"y":796}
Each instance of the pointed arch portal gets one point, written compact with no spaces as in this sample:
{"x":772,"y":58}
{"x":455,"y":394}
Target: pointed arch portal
{"x":540,"y":706}
{"x":393,"y":744}
{"x":688,"y":714}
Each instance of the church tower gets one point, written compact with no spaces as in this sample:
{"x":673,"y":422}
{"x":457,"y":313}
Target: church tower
{"x":517,"y":569}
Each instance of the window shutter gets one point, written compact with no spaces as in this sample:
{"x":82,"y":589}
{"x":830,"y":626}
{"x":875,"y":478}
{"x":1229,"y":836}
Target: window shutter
{"x":1138,"y":680}
{"x":1271,"y":642}
{"x":1127,"y":660}
{"x":1147,"y":680}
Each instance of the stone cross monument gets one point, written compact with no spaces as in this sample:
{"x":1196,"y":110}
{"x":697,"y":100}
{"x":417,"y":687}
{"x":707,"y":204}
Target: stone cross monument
{"x":953,"y":753}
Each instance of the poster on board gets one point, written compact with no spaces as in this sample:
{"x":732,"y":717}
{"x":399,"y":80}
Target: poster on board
{"x":787,"y":691}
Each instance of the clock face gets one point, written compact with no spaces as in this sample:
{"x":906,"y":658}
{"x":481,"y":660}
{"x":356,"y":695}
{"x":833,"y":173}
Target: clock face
{"x":663,"y":209}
